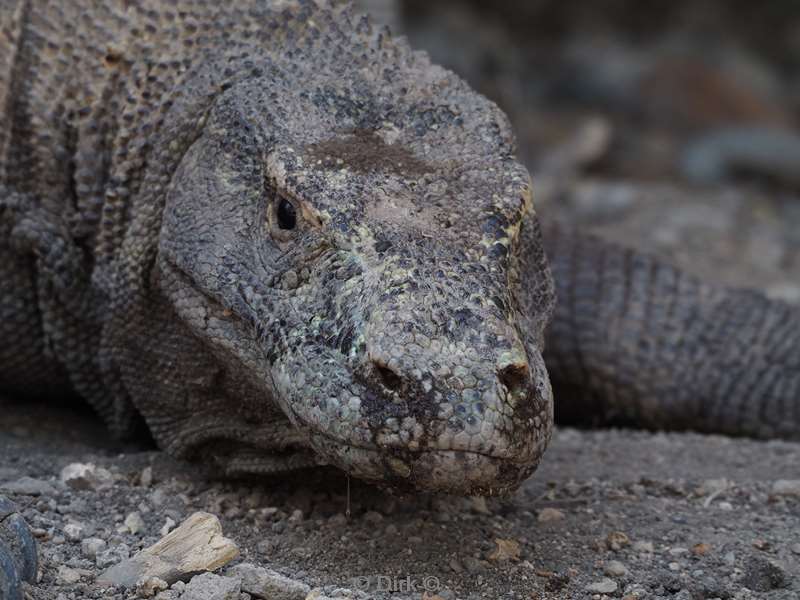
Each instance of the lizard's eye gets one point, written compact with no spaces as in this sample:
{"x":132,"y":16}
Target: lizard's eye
{"x":286,"y":214}
{"x":284,"y":217}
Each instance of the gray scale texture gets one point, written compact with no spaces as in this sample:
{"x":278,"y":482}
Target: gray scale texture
{"x":395,"y":328}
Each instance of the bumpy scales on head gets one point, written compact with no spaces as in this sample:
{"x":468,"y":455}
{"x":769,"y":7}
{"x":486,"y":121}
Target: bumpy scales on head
{"x":365,"y":230}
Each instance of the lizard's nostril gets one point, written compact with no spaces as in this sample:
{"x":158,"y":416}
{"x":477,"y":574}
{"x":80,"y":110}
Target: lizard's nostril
{"x":387,"y":377}
{"x":515,"y":378}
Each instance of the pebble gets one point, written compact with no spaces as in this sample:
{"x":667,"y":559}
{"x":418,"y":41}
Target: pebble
{"x":169,"y":525}
{"x":85,"y":476}
{"x":146,"y":477}
{"x":479,"y":505}
{"x":112,"y":556}
{"x":90,"y":547}
{"x":208,"y":586}
{"x":28,"y":486}
{"x":296,"y":516}
{"x":701,"y":549}
{"x":643,"y":547}
{"x":713,"y":486}
{"x":158,"y":497}
{"x":73,"y":532}
{"x":147,"y":587}
{"x":617,"y":540}
{"x":505,"y":550}
{"x":614,"y":568}
{"x":266,"y":583}
{"x":373,"y":517}
{"x":473,"y":565}
{"x":796,"y":548}
{"x":786,"y":487}
{"x":67,"y":576}
{"x":604,"y":586}
{"x":548,"y":515}
{"x":134,"y":523}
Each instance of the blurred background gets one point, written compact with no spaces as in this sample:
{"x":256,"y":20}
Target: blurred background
{"x":668,"y":126}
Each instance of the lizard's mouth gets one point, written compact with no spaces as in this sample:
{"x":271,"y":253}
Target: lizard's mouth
{"x":432,"y":470}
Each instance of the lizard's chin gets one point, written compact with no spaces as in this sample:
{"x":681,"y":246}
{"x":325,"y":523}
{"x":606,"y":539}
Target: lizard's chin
{"x":446,"y":471}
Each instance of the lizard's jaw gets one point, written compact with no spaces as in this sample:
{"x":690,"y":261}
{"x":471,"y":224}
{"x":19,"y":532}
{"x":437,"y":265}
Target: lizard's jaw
{"x":446,"y":471}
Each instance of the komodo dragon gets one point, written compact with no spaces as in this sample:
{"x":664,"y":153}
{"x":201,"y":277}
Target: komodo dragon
{"x":278,"y":237}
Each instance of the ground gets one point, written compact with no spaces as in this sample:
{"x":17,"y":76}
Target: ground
{"x":675,"y":516}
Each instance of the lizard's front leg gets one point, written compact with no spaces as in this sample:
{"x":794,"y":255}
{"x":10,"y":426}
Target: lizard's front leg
{"x":18,"y":557}
{"x":636,"y":341}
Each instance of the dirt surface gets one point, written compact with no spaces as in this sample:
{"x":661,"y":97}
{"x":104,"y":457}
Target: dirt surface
{"x":650,"y":515}
{"x":610,"y":513}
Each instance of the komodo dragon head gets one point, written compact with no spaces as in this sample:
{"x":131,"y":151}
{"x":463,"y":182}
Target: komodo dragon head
{"x":364,"y":224}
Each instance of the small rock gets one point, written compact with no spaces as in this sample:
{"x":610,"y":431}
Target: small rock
{"x":169,"y":524}
{"x":373,"y":517}
{"x":208,"y":586}
{"x":265,"y":583}
{"x":713,"y":486}
{"x":786,"y":487}
{"x":73,"y":532}
{"x":604,"y":586}
{"x":134,"y":523}
{"x":796,"y":549}
{"x":338,"y":520}
{"x":147,"y":587}
{"x":643,"y":547}
{"x":678,"y":551}
{"x":196,"y":545}
{"x":158,"y":497}
{"x":762,"y":574}
{"x":617,"y":540}
{"x":111,"y":556}
{"x":478,"y":504}
{"x":473,"y":565}
{"x":146,"y":477}
{"x":614,"y":568}
{"x":67,"y":576}
{"x":28,"y":486}
{"x":701,"y":549}
{"x":548,"y":515}
{"x":296,"y":516}
{"x":763,"y":545}
{"x":90,"y":547}
{"x":505,"y":550}
{"x":85,"y":476}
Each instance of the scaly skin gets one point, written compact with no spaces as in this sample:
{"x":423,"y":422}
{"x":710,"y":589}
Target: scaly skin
{"x":281,"y":238}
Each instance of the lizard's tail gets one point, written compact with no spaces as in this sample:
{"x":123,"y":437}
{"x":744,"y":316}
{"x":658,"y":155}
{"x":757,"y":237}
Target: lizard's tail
{"x":637,"y":341}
